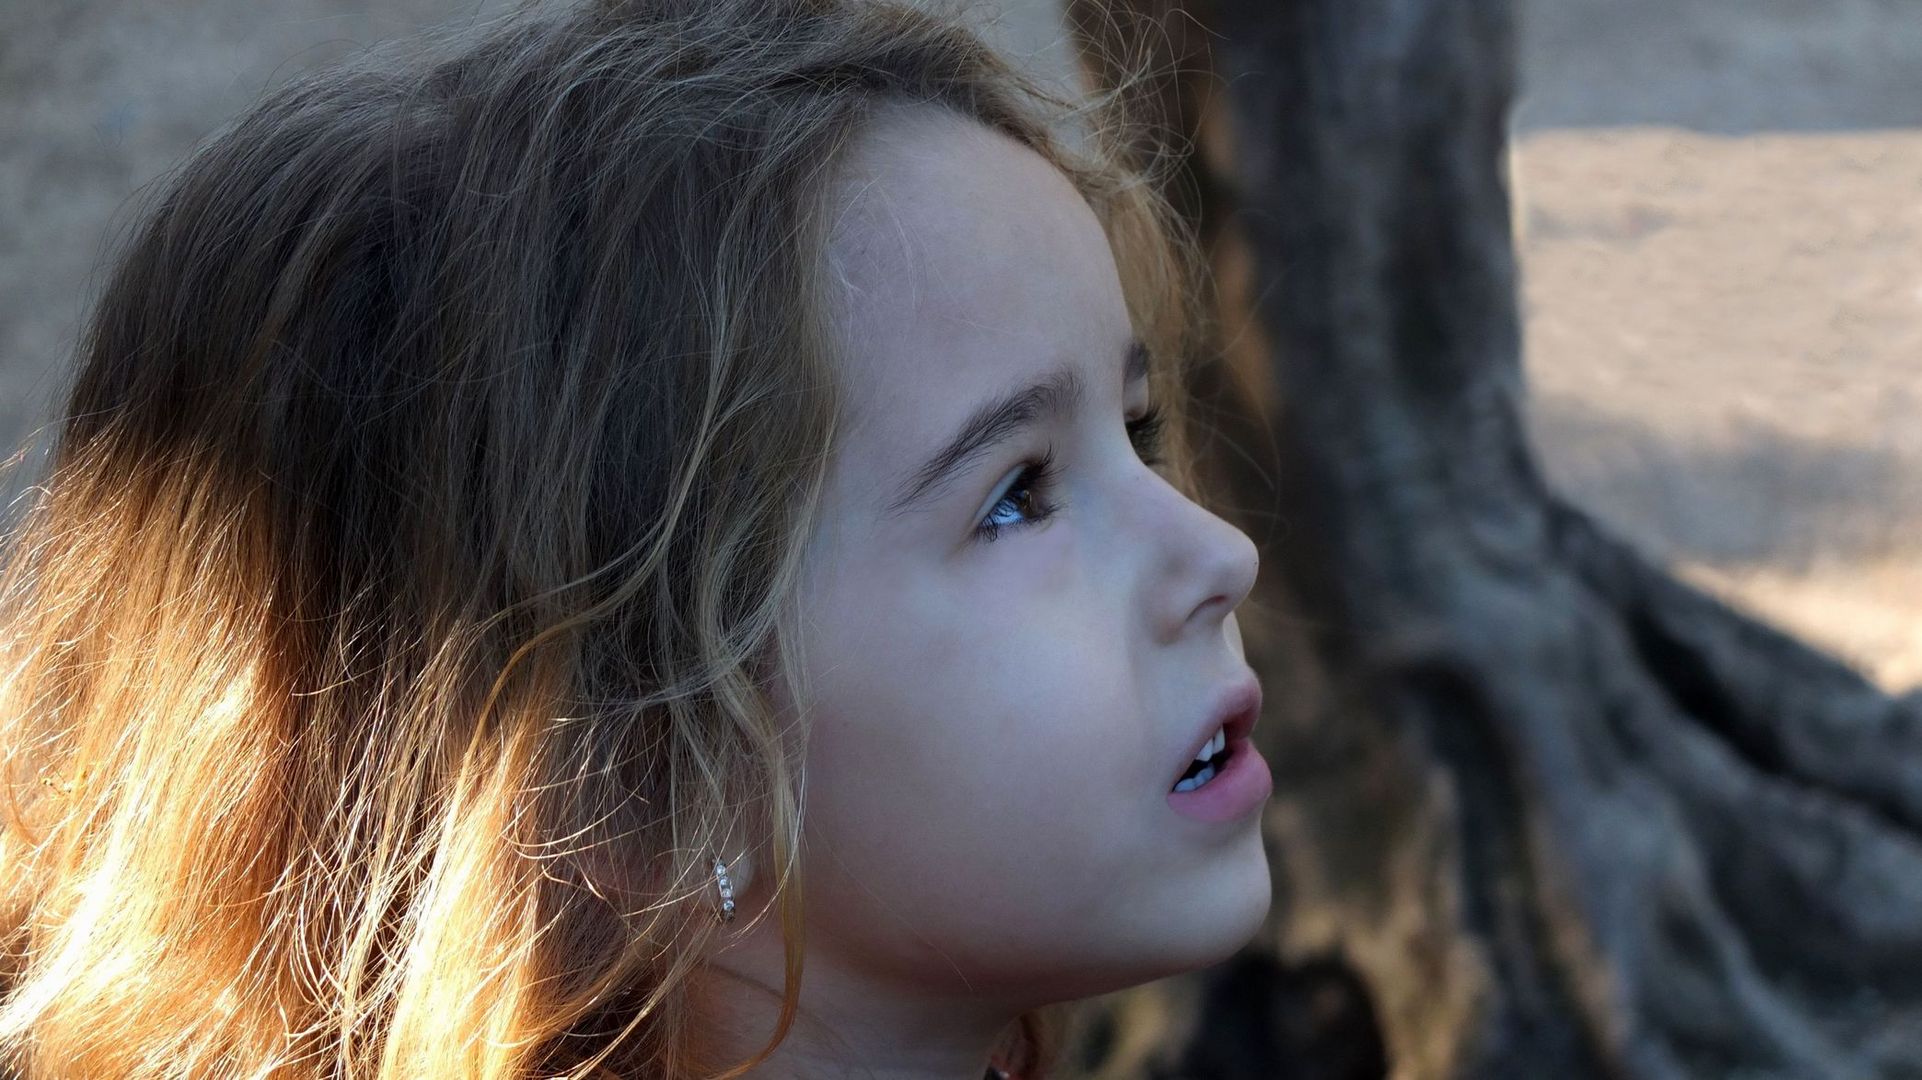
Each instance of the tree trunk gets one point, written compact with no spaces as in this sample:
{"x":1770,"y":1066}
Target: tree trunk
{"x":1541,"y":810}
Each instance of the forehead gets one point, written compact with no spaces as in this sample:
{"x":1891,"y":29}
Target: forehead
{"x":960,"y":264}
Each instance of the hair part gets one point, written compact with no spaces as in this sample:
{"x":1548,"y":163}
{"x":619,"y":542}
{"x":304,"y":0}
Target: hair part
{"x":390,"y":641}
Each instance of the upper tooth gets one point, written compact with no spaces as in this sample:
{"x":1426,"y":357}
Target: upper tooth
{"x":1213,"y":746}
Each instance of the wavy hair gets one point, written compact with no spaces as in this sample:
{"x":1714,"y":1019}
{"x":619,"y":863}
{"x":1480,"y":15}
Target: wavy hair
{"x":391,"y":636}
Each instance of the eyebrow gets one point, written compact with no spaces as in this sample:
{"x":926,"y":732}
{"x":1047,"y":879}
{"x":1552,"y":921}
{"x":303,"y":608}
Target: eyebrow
{"x":1000,"y":419}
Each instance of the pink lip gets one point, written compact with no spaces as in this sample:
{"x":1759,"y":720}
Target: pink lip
{"x":1243,"y":785}
{"x":1245,"y":782}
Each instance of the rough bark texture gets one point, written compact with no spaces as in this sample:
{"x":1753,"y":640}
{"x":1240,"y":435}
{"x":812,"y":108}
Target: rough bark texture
{"x":1541,"y":809}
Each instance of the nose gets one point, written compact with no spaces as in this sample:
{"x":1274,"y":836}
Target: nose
{"x":1209,"y":569}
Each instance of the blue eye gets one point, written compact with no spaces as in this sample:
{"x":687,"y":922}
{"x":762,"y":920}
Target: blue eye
{"x":1026,"y":501}
{"x":1023,"y":503}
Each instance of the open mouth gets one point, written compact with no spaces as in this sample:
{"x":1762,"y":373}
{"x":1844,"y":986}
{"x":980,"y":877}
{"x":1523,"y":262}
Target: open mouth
{"x":1234,"y":715}
{"x":1201,"y":772}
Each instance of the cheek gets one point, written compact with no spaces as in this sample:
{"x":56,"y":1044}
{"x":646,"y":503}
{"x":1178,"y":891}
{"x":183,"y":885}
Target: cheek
{"x":958,"y":739}
{"x":1009,"y":671}
{"x":967,"y":695}
{"x":971,"y":815}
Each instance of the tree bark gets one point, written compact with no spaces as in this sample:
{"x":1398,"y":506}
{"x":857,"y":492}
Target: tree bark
{"x":1541,"y":810}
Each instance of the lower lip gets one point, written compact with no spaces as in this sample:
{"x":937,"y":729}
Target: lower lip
{"x":1243,"y":784}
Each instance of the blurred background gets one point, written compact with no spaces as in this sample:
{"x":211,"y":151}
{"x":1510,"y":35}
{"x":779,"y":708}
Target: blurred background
{"x":1718,"y":207}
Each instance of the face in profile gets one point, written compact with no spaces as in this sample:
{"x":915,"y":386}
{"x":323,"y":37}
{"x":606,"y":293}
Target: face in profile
{"x":1014,"y":644}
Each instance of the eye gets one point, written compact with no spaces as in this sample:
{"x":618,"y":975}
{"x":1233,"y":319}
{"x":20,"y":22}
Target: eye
{"x":1028,"y":502}
{"x":1144,"y":432}
{"x":1025,"y":502}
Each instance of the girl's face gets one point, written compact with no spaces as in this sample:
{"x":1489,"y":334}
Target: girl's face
{"x":1009,"y":670}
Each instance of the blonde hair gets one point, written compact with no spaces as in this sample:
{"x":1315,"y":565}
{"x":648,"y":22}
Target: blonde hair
{"x":389,"y":642}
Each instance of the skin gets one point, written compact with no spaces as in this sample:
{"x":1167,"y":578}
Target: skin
{"x":994,"y":725}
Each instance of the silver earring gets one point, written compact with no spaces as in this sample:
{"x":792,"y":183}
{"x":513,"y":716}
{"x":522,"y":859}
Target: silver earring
{"x":727,"y":890}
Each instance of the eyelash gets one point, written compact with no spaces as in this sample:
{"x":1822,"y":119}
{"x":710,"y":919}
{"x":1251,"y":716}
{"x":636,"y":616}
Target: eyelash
{"x":1040,"y":475}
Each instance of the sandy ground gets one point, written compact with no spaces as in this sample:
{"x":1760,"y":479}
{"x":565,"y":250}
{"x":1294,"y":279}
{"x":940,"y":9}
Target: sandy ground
{"x":1719,"y":208}
{"x":1719,"y":215}
{"x":1724,"y":341}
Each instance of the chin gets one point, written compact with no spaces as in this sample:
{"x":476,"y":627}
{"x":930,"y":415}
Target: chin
{"x":1238,"y":903}
{"x":1218,"y":922}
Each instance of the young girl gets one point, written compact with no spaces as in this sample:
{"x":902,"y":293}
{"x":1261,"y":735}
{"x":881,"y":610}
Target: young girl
{"x":651,"y":542}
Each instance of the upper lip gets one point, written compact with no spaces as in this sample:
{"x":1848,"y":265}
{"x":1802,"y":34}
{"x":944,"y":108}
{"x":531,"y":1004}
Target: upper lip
{"x":1237,"y":707}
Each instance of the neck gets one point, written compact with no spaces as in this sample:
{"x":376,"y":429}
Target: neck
{"x":848,"y":1025}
